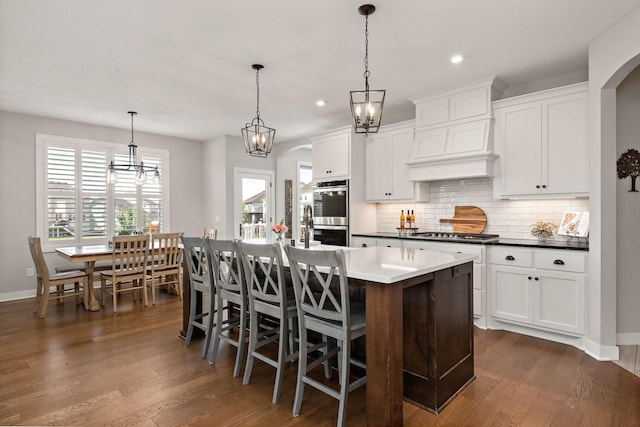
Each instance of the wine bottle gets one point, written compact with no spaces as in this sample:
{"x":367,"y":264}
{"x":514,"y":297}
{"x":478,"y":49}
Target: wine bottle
{"x":413,"y":218}
{"x":402,"y":218}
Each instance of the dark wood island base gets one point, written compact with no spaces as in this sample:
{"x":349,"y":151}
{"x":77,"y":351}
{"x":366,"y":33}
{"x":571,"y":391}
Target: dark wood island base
{"x":420,"y":346}
{"x":438,"y":358}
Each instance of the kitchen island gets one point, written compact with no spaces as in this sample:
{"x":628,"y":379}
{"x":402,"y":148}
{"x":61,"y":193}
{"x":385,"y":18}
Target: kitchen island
{"x":419,"y":341}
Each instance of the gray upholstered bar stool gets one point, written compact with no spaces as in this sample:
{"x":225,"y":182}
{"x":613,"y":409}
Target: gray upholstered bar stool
{"x":268,"y":296}
{"x":199,"y":282}
{"x":330,"y":313}
{"x":226,"y":270}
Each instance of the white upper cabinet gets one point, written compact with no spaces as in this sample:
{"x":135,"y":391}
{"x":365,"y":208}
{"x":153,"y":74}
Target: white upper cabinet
{"x":541,"y":139}
{"x":387,"y":175}
{"x":331,"y":154}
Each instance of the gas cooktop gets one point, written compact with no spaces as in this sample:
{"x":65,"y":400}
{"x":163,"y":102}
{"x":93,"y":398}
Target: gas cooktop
{"x":456,"y":237}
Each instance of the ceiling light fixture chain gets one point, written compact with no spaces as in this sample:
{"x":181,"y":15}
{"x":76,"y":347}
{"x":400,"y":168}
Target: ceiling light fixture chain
{"x":366,"y":51}
{"x":258,"y":138}
{"x":367,"y":105}
{"x":258,"y":92}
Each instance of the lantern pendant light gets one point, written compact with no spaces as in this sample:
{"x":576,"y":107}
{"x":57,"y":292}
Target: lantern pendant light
{"x":132,"y":166}
{"x":258,"y":138}
{"x":367,"y":105}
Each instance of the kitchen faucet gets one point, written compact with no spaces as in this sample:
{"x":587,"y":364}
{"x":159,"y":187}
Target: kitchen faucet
{"x":308,"y":222}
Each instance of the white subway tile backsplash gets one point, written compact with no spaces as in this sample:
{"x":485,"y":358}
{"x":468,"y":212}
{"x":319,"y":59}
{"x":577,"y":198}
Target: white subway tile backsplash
{"x":508,"y":218}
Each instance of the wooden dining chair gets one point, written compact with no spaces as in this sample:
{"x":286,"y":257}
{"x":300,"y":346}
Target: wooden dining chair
{"x":128,"y":268}
{"x":268,"y":296}
{"x":56,"y":286}
{"x":211,"y":233}
{"x":225,"y":268}
{"x":329,"y":312}
{"x":165,"y":263}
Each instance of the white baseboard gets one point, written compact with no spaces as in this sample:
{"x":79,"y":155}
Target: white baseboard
{"x":629,"y":338}
{"x":31,"y":293}
{"x":575,"y":341}
{"x":13,"y":296}
{"x":602,"y":352}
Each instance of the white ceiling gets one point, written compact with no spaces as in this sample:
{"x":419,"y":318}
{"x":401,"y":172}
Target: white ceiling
{"x":185,"y":66}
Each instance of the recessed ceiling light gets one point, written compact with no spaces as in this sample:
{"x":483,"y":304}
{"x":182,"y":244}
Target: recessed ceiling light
{"x":456,"y":59}
{"x":320,"y":103}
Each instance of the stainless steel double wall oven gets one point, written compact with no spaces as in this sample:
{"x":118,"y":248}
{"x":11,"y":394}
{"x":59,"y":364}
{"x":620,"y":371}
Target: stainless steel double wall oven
{"x":331,"y":212}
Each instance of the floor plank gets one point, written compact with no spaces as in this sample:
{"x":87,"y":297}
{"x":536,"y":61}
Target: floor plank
{"x":131,"y":369}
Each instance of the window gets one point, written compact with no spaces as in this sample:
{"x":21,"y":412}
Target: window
{"x":76,"y":206}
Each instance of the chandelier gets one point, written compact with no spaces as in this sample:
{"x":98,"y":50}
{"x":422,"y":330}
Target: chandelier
{"x":258,"y":138}
{"x":132,"y":166}
{"x":366,"y":105}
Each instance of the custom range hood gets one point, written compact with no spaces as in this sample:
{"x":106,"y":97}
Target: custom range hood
{"x":454,"y":133}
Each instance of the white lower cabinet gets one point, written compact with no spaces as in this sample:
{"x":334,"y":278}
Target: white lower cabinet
{"x":389,"y":243}
{"x":362,"y":242}
{"x":538,"y":287}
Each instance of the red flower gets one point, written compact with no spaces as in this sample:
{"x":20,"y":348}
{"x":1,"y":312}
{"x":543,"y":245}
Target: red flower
{"x":279,"y":228}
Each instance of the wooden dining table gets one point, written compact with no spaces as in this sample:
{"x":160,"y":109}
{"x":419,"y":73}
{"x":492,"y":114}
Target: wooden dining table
{"x":88,"y":255}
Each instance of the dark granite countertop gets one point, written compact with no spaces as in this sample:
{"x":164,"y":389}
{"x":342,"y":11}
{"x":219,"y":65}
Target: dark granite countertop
{"x":579,"y":244}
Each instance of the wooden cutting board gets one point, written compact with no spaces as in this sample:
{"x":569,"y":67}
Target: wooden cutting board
{"x":467,"y":219}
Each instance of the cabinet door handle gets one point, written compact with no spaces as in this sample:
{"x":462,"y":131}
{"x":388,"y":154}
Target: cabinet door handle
{"x":544,"y":186}
{"x":537,"y":186}
{"x":364,"y":245}
{"x":537,"y":278}
{"x":509,"y":258}
{"x":558,"y":262}
{"x":529,"y":277}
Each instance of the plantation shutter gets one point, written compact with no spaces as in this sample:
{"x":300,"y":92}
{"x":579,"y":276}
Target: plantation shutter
{"x":61,"y":194}
{"x":76,"y":206}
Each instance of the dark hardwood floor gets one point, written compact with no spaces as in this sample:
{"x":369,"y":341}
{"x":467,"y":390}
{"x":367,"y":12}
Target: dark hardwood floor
{"x":86,"y":369}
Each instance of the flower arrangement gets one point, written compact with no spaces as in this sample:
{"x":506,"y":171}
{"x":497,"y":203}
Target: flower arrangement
{"x":280,"y":230}
{"x":543,"y":230}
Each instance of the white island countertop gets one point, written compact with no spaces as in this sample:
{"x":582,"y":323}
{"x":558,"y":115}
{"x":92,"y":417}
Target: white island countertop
{"x":390,"y":265}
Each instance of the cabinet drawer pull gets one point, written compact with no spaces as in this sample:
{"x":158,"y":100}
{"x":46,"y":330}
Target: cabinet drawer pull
{"x":558,"y":262}
{"x":509,"y":258}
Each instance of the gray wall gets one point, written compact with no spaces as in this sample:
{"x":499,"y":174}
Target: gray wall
{"x":628,"y":207}
{"x":18,"y":187}
{"x":612,"y":56}
{"x":201,"y":192}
